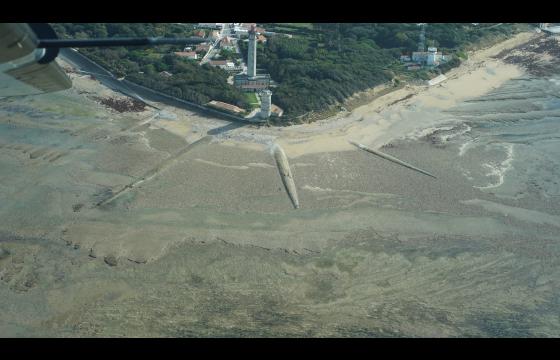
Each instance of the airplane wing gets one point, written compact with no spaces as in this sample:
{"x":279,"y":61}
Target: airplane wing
{"x":24,"y":68}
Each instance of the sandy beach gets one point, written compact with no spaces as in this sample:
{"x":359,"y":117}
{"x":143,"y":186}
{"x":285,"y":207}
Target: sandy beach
{"x":163,"y":222}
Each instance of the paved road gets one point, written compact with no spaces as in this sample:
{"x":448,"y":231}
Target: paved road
{"x":86,"y":66}
{"x":238,"y":50}
{"x":213,"y":51}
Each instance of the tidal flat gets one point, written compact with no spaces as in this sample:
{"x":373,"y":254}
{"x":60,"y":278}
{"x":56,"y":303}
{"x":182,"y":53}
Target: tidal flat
{"x":136,"y":224}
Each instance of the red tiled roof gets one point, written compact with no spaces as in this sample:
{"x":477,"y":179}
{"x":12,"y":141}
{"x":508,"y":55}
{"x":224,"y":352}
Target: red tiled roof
{"x":225,"y":106}
{"x":185,"y":53}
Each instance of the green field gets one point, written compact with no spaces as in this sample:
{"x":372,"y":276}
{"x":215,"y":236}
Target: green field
{"x":252,"y":100}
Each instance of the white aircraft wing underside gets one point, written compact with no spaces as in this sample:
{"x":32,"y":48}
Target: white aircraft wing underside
{"x":20,"y":70}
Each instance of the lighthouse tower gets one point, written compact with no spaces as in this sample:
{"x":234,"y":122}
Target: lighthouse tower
{"x":252,"y":56}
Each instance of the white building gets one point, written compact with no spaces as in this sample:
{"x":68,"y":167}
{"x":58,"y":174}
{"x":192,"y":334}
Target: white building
{"x":224,"y":64}
{"x":266,"y":103}
{"x":405,"y":58}
{"x":243,"y":29}
{"x":430,"y":57}
{"x":211,"y":25}
{"x":241,"y":32}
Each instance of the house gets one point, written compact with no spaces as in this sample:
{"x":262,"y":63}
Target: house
{"x":187,"y":54}
{"x":243,"y":29}
{"x":405,"y":58}
{"x":200,"y":33}
{"x":230,"y":66}
{"x":224,"y":64}
{"x":225,"y":106}
{"x":166,"y":74}
{"x":261,"y":38}
{"x":218,"y":62}
{"x":227,"y":43}
{"x":247,"y":27}
{"x":204,"y":47}
{"x":238,"y":32}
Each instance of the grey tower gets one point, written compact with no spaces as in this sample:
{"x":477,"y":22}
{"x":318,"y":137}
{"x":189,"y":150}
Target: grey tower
{"x":252,"y":56}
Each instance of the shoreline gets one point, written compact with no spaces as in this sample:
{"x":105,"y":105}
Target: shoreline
{"x":389,"y":116}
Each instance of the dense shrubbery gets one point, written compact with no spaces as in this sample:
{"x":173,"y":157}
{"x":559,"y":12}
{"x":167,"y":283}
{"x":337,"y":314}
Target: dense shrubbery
{"x":311,"y":76}
{"x":325,"y":63}
{"x":445,"y":67}
{"x":191,"y":82}
{"x":97,"y":30}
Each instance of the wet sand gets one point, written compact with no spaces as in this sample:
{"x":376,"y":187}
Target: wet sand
{"x":210,"y":244}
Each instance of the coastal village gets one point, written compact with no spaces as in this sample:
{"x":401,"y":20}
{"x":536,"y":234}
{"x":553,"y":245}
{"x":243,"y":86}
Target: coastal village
{"x":222,"y":50}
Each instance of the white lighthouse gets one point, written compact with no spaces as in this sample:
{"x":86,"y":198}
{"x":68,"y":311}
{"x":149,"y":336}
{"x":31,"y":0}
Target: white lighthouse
{"x":249,"y":80}
{"x":252,"y":56}
{"x":266,"y":102}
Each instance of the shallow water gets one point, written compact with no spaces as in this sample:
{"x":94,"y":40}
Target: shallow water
{"x":515,"y":131}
